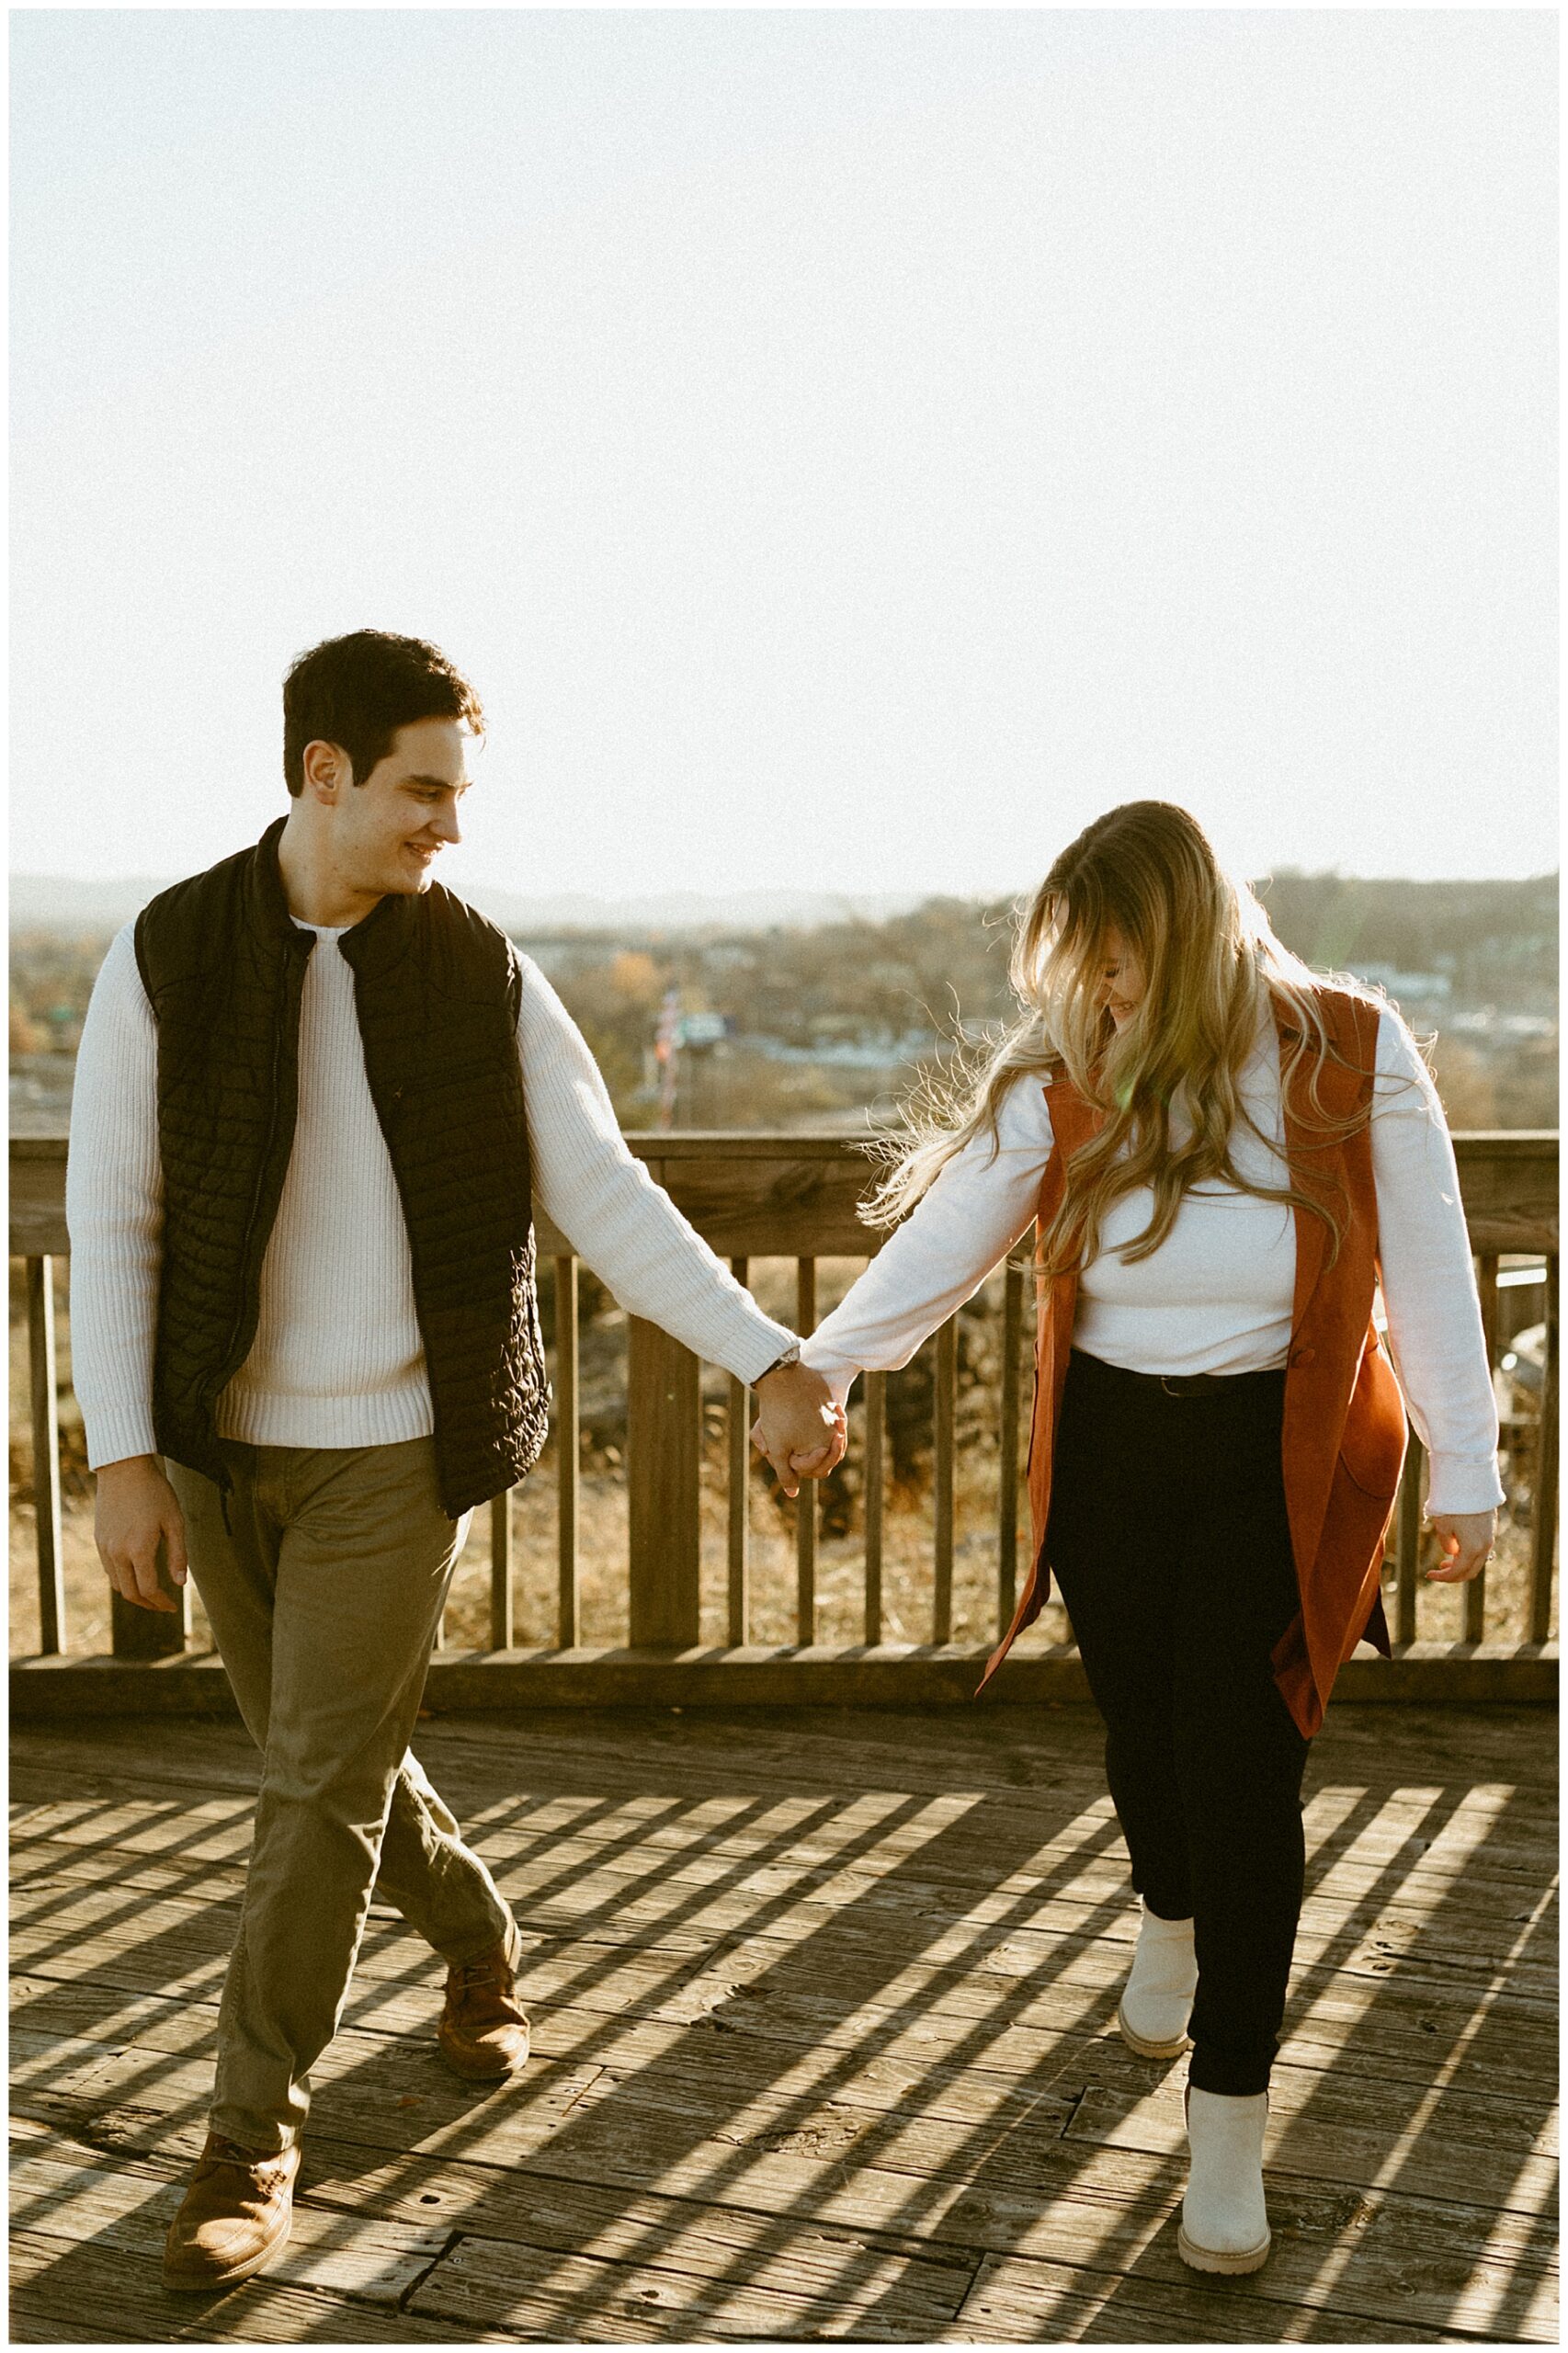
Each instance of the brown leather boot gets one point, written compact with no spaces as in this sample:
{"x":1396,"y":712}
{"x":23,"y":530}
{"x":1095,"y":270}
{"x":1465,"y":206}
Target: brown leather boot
{"x":484,"y":2033}
{"x":234,"y":2217}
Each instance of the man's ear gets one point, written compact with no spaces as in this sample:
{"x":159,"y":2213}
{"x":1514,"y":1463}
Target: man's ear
{"x":328,"y":770}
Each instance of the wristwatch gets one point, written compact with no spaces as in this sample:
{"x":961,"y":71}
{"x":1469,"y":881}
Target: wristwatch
{"x":790,"y":1356}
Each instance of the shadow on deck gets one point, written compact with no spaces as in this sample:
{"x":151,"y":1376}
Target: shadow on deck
{"x":823,"y":2007}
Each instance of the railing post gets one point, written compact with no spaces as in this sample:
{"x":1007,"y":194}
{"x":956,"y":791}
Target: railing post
{"x":1543,"y":1520}
{"x":663,"y":1427}
{"x":945,"y":1421}
{"x":806,"y":1501}
{"x":569,"y":1451}
{"x":43,"y":1381}
{"x":1408,"y":1556}
{"x":739,"y":1596}
{"x":876,"y":1388}
{"x":501,"y":1632}
{"x":1486,"y":1290}
{"x":1007,"y":1469}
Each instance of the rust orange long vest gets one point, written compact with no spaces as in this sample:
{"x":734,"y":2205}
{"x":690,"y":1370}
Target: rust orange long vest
{"x":1343,"y":1440}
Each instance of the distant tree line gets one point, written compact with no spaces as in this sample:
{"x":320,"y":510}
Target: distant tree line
{"x":906,"y":984}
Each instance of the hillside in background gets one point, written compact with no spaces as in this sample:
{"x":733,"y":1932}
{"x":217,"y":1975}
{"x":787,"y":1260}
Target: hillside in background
{"x":816,"y":1021}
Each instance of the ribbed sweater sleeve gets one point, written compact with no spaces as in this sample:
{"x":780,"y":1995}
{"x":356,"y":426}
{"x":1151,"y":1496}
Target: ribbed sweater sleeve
{"x":631,"y":1232}
{"x":1429,"y":1276}
{"x":114,"y":1210}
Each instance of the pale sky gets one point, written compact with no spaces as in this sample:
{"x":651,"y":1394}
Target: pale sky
{"x":845,"y":449}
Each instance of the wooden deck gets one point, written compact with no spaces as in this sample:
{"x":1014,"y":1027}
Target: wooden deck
{"x":822,"y":2007}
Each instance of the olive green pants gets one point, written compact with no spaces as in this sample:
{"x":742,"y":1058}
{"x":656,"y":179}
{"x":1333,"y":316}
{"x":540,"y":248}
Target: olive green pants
{"x":324,"y":1583}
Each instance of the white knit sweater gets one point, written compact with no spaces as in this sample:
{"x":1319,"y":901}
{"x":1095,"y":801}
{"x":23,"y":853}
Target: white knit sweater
{"x":1217,"y":1296}
{"x":337,"y":1358}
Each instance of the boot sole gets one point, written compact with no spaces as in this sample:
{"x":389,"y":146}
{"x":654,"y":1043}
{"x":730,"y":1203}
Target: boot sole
{"x":483,"y":2075}
{"x":1209,"y":2259}
{"x":1145,"y":2048}
{"x":191,"y":2284}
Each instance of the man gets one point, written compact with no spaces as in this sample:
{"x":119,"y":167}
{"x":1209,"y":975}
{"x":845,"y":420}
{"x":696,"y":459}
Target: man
{"x":314,"y":1096}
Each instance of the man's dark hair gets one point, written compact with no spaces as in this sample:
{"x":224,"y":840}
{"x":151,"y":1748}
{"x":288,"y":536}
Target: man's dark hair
{"x":356,"y":692}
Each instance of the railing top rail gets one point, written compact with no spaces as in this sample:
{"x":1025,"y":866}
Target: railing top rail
{"x":768,"y":1194}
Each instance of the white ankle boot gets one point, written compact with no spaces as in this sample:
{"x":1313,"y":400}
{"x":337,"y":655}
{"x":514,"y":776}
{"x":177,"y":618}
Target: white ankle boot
{"x":1157,"y":1999}
{"x":1224,"y":2224}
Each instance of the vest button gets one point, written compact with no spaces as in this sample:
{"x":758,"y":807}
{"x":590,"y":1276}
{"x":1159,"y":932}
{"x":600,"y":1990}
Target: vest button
{"x":1303,"y":1355}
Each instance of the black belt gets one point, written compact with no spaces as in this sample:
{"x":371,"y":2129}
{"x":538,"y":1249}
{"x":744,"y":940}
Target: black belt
{"x":1178,"y":1385}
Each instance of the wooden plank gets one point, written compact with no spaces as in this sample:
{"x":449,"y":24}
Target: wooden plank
{"x":780,"y":1203}
{"x":38,"y":1198}
{"x":663,"y":1450}
{"x":1372,"y":2255}
{"x":1019,"y":2299}
{"x":875,"y":1390}
{"x":1508,"y":1182}
{"x":1104,"y":2208}
{"x":43,"y":1381}
{"x":1373,"y":2135}
{"x":502,"y":1630}
{"x":945,"y":1416}
{"x":806,"y":1501}
{"x":93,"y":2295}
{"x":1543,"y":1527}
{"x":569,"y":1452}
{"x":1430,"y":1852}
{"x":738,"y":1554}
{"x":1444,"y":1955}
{"x":376,"y":2089}
{"x":951,"y":2074}
{"x":71,"y":2193}
{"x":806,"y":2290}
{"x":1446,"y":1912}
{"x":1012,"y":1757}
{"x":200,"y":1853}
{"x":890,"y":1675}
{"x":920,"y":2285}
{"x":1494,"y":1854}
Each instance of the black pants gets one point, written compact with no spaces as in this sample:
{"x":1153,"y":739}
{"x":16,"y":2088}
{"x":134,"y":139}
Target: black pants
{"x":1169,"y":1541}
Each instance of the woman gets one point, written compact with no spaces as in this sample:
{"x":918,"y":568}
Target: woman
{"x":1225,"y":1152}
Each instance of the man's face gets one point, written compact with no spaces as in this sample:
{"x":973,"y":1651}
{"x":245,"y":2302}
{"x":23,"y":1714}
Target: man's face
{"x":387,"y":831}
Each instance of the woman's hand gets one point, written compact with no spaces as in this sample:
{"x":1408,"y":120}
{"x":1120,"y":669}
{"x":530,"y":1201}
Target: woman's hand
{"x":1467,"y":1538}
{"x":799,"y":1427}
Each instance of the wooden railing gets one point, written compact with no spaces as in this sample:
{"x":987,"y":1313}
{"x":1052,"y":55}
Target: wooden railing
{"x":755,"y":1197}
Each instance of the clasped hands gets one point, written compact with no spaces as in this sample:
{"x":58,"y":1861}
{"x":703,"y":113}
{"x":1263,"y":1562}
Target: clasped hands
{"x":799,"y":1425}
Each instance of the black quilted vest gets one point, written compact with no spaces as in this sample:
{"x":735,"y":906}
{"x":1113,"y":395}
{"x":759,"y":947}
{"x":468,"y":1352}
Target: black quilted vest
{"x":436,"y":989}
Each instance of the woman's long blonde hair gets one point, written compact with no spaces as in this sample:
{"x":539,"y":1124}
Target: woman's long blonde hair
{"x":1211,"y":966}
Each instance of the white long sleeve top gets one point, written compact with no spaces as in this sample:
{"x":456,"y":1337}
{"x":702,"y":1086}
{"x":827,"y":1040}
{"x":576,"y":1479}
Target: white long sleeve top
{"x":1217,"y":1295}
{"x":337,"y":1358}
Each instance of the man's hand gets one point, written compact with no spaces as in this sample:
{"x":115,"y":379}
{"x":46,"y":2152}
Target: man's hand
{"x":798,"y":1427}
{"x":138,"y":1512}
{"x":1467,"y":1538}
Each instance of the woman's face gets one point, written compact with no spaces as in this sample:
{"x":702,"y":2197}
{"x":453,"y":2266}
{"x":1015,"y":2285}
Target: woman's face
{"x":1121,"y":984}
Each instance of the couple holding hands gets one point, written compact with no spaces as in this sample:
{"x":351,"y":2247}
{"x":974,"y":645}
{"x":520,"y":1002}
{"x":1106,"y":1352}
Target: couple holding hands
{"x":315,"y":1097}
